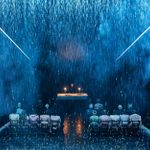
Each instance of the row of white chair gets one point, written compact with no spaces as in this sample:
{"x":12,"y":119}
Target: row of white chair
{"x":34,"y":121}
{"x":116,"y":121}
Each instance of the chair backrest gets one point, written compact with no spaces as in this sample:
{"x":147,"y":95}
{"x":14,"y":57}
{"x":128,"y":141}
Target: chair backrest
{"x":124,"y":118}
{"x":135,"y":119}
{"x":33,"y":118}
{"x":94,"y":118}
{"x":104,"y":118}
{"x":14,"y":117}
{"x":115,"y":119}
{"x":45,"y":118}
{"x":55,"y":118}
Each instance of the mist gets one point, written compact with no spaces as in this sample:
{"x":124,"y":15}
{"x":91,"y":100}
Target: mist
{"x":74,"y":42}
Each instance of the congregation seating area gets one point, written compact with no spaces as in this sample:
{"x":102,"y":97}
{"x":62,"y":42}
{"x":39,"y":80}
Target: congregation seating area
{"x":97,"y":124}
{"x":50,"y":124}
{"x":115,"y":123}
{"x":28,"y":133}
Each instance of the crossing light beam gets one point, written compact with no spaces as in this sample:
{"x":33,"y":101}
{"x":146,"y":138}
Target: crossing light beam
{"x":122,"y":54}
{"x":15,"y":44}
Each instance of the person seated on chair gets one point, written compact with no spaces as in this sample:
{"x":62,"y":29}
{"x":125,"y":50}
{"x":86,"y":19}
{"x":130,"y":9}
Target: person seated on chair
{"x":119,"y":111}
{"x":89,"y":112}
{"x":130,"y":110}
{"x":94,"y":122}
{"x":99,"y":108}
{"x":47,"y":110}
{"x":21,"y":112}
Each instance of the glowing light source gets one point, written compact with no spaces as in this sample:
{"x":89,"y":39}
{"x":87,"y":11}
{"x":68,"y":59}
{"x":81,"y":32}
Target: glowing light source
{"x":71,"y":51}
{"x":132,"y":43}
{"x":79,"y":89}
{"x":65,"y":89}
{"x":14,"y":43}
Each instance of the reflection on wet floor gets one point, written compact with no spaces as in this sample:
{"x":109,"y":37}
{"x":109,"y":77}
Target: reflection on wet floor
{"x":73,"y":137}
{"x":79,"y":127}
{"x":73,"y":129}
{"x":66,"y":128}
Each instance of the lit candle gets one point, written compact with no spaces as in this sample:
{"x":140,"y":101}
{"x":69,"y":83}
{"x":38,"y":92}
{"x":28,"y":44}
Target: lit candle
{"x":65,"y":89}
{"x":79,"y":89}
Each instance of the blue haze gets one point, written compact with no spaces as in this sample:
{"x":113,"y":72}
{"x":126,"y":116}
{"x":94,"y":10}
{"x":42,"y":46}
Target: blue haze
{"x":74,"y":41}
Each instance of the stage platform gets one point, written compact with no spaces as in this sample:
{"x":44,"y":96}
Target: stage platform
{"x":72,"y":96}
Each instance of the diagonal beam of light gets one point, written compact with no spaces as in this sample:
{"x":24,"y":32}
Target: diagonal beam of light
{"x":15,"y":44}
{"x":132,"y":43}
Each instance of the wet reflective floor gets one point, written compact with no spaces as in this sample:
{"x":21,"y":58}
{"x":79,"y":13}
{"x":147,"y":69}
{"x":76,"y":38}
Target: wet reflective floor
{"x":73,"y":136}
{"x":59,"y":142}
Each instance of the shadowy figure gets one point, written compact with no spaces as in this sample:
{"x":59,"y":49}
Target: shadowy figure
{"x":119,"y":111}
{"x":72,"y":88}
{"x":99,"y":108}
{"x":94,"y":123}
{"x":130,"y":110}
{"x":89,"y":112}
{"x":47,"y":110}
{"x":21,"y":112}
